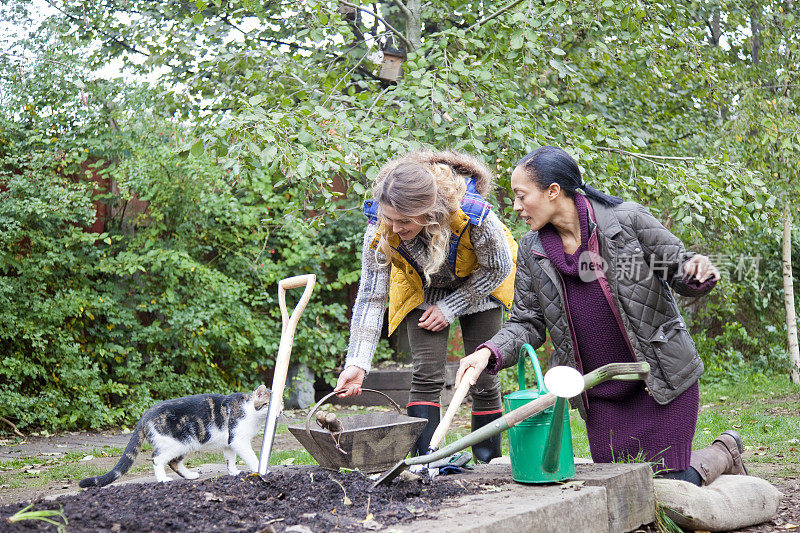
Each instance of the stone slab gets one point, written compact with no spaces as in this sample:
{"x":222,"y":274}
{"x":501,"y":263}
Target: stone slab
{"x":626,"y":501}
{"x":629,"y":492}
{"x":515,"y":508}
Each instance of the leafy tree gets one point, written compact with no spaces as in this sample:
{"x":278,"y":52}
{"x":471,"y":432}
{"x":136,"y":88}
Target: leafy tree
{"x":177,"y":294}
{"x":754,"y":44}
{"x":273,"y":103}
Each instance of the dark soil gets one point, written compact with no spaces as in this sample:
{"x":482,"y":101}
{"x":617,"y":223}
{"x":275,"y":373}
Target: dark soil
{"x":309,"y":497}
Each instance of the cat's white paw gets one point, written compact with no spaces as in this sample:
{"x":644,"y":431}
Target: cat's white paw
{"x":191,"y":475}
{"x":234,"y":471}
{"x":165,"y":479}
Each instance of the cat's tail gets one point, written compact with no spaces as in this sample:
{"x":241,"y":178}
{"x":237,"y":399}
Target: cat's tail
{"x":124,"y":463}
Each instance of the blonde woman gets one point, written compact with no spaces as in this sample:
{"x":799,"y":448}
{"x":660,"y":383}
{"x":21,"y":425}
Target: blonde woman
{"x":436,"y":252}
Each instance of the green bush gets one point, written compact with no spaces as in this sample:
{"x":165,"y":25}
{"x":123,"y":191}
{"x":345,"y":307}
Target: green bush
{"x":739,"y":327}
{"x":179,"y":299}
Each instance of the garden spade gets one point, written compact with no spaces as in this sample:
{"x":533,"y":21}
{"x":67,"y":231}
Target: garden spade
{"x":455,"y":403}
{"x":567,"y":383}
{"x":289,"y":325}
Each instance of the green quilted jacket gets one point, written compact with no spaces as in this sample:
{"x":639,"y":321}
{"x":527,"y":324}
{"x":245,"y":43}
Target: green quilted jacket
{"x":643,"y":264}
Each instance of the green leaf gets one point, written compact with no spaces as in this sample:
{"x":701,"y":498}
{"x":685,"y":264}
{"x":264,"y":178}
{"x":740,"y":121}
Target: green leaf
{"x":558,"y":51}
{"x":197,"y":149}
{"x":305,"y":137}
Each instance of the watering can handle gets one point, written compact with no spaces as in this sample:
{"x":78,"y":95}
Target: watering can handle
{"x":536,"y":368}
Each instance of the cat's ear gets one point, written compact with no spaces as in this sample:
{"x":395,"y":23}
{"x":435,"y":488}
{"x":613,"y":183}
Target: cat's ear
{"x":261,"y":396}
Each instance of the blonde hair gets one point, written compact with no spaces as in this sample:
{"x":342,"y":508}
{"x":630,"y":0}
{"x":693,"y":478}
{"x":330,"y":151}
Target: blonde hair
{"x":427,"y":192}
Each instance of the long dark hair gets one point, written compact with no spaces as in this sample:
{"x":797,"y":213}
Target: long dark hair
{"x":550,"y":164}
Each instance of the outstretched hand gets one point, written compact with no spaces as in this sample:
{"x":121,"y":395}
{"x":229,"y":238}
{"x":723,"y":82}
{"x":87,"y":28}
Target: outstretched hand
{"x":701,"y":268}
{"x":350,"y":381}
{"x":478,"y":360}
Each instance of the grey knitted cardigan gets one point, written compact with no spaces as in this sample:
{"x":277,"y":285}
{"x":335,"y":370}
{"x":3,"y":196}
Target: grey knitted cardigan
{"x":454,"y":296}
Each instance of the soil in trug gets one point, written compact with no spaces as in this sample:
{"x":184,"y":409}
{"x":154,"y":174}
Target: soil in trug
{"x":309,"y":497}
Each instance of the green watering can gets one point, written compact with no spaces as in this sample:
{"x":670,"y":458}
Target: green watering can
{"x":563,"y":382}
{"x":541,"y":446}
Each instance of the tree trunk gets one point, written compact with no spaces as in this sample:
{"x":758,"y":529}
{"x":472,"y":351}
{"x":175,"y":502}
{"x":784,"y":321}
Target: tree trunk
{"x":716,"y":33}
{"x":788,"y":293}
{"x":414,"y":23}
{"x":716,"y":29}
{"x":755,"y":40}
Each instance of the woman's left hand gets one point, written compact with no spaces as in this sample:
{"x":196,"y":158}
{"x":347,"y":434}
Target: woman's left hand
{"x":701,"y":268}
{"x":433,"y":319}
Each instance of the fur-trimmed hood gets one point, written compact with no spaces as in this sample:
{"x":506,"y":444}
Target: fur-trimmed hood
{"x":463,"y":164}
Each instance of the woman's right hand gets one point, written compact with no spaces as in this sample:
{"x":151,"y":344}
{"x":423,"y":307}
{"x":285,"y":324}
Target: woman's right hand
{"x":350,"y":381}
{"x":477,"y":360}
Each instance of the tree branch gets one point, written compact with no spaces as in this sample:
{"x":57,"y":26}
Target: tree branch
{"x":13,"y":427}
{"x":226,"y":20}
{"x":495,"y":14}
{"x":112,"y":39}
{"x":383,"y":92}
{"x":388,"y":26}
{"x":402,"y":7}
{"x":15,"y":56}
{"x":645,"y":157}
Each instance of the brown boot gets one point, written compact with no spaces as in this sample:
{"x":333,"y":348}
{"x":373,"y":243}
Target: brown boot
{"x":722,"y":457}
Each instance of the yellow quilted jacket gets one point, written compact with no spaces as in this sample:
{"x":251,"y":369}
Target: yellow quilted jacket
{"x":405,"y":283}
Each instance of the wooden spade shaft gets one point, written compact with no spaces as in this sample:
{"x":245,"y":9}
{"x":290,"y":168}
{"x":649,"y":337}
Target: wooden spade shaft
{"x":455,"y":403}
{"x":288,"y":327}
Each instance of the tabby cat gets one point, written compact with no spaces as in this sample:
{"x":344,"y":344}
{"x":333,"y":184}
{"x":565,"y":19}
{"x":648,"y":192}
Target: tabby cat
{"x":201,"y":422}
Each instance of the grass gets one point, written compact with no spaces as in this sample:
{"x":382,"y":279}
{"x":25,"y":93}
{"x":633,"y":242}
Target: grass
{"x":67,"y":468}
{"x":764,"y":409}
{"x":43,"y":516}
{"x":35,"y":471}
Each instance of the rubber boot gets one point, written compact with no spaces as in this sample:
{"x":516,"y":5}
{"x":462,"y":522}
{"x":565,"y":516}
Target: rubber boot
{"x":432,"y":413}
{"x":724,"y":456}
{"x":486,"y":450}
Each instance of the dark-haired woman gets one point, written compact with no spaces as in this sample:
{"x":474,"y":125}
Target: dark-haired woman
{"x":596,"y":272}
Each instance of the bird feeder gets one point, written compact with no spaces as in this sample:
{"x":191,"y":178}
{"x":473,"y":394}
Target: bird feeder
{"x":392,"y":64}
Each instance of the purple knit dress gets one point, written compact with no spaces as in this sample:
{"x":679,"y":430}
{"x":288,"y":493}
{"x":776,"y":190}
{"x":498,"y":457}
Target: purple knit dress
{"x":623,"y":420}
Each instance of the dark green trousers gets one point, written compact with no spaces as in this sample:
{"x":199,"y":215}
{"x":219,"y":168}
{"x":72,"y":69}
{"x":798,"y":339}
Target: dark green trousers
{"x":429,"y":352}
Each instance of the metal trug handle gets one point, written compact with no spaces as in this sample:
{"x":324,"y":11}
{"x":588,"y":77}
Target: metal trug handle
{"x":325,"y":398}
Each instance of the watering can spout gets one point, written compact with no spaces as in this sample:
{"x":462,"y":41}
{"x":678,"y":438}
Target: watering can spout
{"x":564,"y":382}
{"x":553,"y":445}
